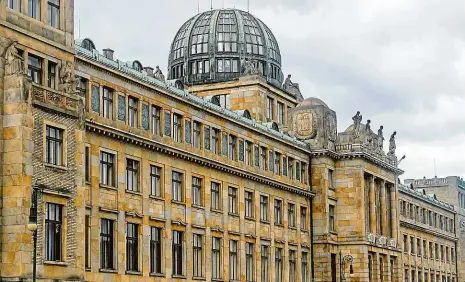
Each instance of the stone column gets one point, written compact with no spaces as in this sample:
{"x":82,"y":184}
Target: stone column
{"x":372,"y":205}
{"x":393,"y":211}
{"x":384,"y":227}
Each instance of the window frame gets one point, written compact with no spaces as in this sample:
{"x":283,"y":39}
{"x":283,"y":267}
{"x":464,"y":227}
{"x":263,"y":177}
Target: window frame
{"x":59,"y":144}
{"x":133,"y":173}
{"x":155,"y":175}
{"x":156,"y":120}
{"x":177,"y":253}
{"x":132,"y":247}
{"x":249,"y":262}
{"x":278,"y":212}
{"x":197,"y":256}
{"x":264,"y":209}
{"x":232,"y":201}
{"x":111,"y":166}
{"x":53,"y":250}
{"x":179,"y":196}
{"x":197,"y":198}
{"x":108,"y":102}
{"x":249,"y":204}
{"x":107,"y":258}
{"x":133,"y":111}
{"x":215,"y":194}
{"x":53,"y":8}
{"x":216,"y":255}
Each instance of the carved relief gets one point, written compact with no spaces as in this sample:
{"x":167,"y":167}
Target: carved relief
{"x":67,"y":79}
{"x":14,"y":62}
{"x":304,"y":125}
{"x":331,"y":127}
{"x":462,"y":226}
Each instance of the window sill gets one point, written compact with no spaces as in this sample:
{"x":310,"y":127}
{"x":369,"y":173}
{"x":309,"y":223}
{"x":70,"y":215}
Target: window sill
{"x":249,"y":218}
{"x":134,"y":273}
{"x":292,"y":227}
{"x":233,"y":214}
{"x":198,"y":207}
{"x":178,"y":276}
{"x":88,"y":183}
{"x":333,"y":233}
{"x":108,"y":187}
{"x":154,"y":274}
{"x":108,"y":270}
{"x":279,"y":225}
{"x":216,"y":211}
{"x":57,"y":263}
{"x":59,"y":167}
{"x":304,"y":230}
{"x":264,"y":222}
{"x":217,"y":279}
{"x":88,"y":269}
{"x":133,"y":192}
{"x":199,"y":278}
{"x":178,"y":203}
{"x":159,"y":198}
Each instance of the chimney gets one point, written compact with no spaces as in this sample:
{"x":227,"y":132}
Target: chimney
{"x":108,"y":53}
{"x":149,"y":71}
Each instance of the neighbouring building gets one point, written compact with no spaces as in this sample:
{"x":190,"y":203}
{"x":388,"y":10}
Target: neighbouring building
{"x":220,"y":171}
{"x":451,"y":190}
{"x":429,"y":241}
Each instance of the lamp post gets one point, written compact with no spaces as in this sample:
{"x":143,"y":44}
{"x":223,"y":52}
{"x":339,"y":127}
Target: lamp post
{"x":342,"y":263}
{"x":32,"y":226}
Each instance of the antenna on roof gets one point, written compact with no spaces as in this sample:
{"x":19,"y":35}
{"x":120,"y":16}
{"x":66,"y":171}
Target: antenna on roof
{"x":211,"y":4}
{"x":248,"y":6}
{"x":435,"y":174}
{"x":198,"y":7}
{"x":79,"y":29}
{"x":223,"y":4}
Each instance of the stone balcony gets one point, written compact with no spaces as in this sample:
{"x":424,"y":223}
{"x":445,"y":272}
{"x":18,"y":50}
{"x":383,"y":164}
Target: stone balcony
{"x":55,"y":100}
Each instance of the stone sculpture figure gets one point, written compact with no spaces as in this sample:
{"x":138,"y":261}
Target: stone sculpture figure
{"x":67,"y":79}
{"x":289,"y":85}
{"x":159,"y":74}
{"x":392,"y":144}
{"x":380,"y":138}
{"x":368,"y":134}
{"x":250,"y":68}
{"x":368,"y":127}
{"x":357,"y":121}
{"x":14,"y":62}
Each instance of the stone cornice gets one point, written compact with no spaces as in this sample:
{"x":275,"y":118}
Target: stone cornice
{"x":422,"y":197}
{"x":407,"y":224}
{"x":354,"y":155}
{"x":151,"y":144}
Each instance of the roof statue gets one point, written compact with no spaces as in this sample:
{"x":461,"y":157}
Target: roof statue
{"x":250,"y":68}
{"x":14,"y":62}
{"x":158,"y":74}
{"x":291,"y":87}
{"x":357,"y":121}
{"x":392,"y":144}
{"x":380,"y":138}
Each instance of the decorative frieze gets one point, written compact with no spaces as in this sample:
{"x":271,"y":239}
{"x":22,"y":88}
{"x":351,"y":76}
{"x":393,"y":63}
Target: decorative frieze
{"x":56,"y":99}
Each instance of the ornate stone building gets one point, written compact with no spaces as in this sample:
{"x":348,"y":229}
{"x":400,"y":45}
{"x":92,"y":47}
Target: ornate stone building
{"x":218,"y":171}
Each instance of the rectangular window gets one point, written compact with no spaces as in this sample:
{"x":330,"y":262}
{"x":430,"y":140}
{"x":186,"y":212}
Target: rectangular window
{"x":87,"y":242}
{"x":277,"y":163}
{"x":197,"y":134}
{"x":248,"y":199}
{"x":280,"y":113}
{"x":291,"y":214}
{"x":177,"y":127}
{"x":233,"y":260}
{"x":263,"y":208}
{"x":34,"y":69}
{"x":215,"y":146}
{"x":132,"y":111}
{"x":249,"y":262}
{"x":132,"y":247}
{"x":106,"y":244}
{"x":51,"y":73}
{"x":332,"y":220}
{"x":297,"y":171}
{"x":269,"y":108}
{"x":215,"y":196}
{"x":232,"y":200}
{"x":155,"y":181}
{"x":87,"y":167}
{"x":292,"y":266}
{"x":177,"y":183}
{"x":271,"y":161}
{"x":331,"y":179}
{"x":107,"y":169}
{"x":291,"y":168}
{"x":53,"y":7}
{"x":264,"y":254}
{"x":197,"y":198}
{"x":206,"y":137}
{"x":304,"y":267}
{"x":412,"y":246}
{"x":263,"y":158}
{"x":53,"y":230}
{"x":216,"y":258}
{"x":278,"y":209}
{"x":278,"y":265}
{"x":232,"y":147}
{"x":107,"y":103}
{"x":177,"y":253}
{"x":132,"y":175}
{"x":256,"y":153}
{"x":303,"y":218}
{"x":197,"y":251}
{"x":14,"y":4}
{"x":155,"y":250}
{"x":54,"y":146}
{"x":156,"y":122}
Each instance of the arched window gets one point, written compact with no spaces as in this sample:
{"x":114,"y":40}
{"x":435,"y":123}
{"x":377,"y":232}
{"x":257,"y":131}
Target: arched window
{"x":137,"y":66}
{"x":88,"y":44}
{"x":247,"y":114}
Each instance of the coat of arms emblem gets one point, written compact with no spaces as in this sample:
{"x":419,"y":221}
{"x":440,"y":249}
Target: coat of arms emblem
{"x":304,"y":125}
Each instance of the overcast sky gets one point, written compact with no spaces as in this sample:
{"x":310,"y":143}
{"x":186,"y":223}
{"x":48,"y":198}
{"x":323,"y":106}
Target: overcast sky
{"x":400,"y":62}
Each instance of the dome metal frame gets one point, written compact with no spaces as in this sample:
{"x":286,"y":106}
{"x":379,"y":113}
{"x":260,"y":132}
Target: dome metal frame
{"x":213,"y":46}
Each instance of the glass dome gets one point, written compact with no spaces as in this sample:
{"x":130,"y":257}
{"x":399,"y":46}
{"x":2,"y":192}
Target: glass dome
{"x":213,"y":46}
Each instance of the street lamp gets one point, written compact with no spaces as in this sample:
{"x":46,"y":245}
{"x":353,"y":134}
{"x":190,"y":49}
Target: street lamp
{"x":342,"y":263}
{"x":32,"y":226}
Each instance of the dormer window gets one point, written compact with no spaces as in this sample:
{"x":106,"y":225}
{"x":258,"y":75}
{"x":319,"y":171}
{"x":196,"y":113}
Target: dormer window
{"x":223,"y":100}
{"x":137,"y":66}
